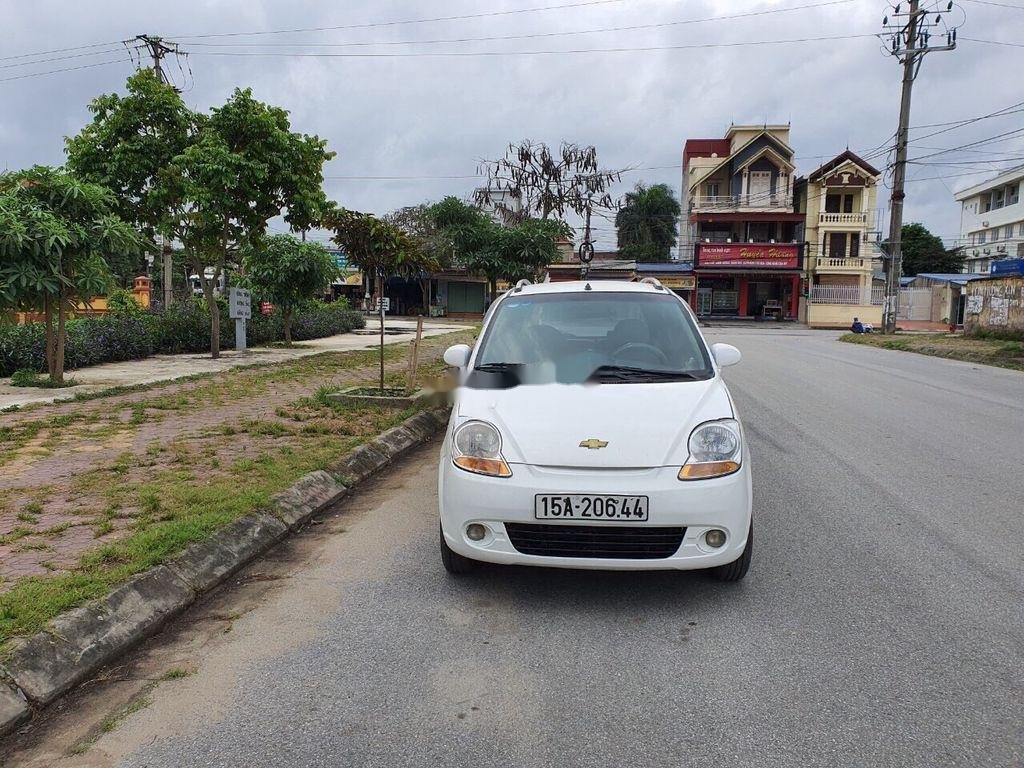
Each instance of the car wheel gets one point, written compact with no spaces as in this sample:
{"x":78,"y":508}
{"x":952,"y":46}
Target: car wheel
{"x":454,"y":562}
{"x":737,"y":569}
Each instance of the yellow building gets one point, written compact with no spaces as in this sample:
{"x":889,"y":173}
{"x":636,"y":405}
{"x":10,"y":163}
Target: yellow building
{"x":839,"y":201}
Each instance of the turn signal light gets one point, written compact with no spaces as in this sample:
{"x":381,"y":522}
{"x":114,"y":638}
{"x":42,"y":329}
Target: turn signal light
{"x":493,"y":467}
{"x":708,"y":469}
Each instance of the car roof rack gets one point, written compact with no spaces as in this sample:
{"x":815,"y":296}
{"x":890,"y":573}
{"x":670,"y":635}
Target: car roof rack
{"x":522,"y":284}
{"x":653,"y":281}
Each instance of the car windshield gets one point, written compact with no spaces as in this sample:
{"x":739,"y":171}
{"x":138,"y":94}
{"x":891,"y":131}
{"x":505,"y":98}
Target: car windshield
{"x":608,"y":337}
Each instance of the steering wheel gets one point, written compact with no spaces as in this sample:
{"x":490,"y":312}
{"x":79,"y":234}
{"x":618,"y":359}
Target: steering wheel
{"x":642,"y":347}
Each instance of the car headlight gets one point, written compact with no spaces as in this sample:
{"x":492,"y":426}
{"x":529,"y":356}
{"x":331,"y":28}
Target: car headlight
{"x":715,"y":450}
{"x":476,"y":447}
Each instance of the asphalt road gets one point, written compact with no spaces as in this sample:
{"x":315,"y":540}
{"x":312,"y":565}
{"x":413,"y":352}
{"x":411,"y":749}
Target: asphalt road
{"x":881,"y":623}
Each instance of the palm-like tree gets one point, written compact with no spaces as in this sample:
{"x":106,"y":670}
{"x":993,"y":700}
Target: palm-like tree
{"x":646,"y":223}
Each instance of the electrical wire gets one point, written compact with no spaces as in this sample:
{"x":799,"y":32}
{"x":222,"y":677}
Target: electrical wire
{"x":486,"y":14}
{"x":102,"y":52}
{"x":992,"y":42}
{"x":59,"y":50}
{"x":65,"y":69}
{"x":461,"y":54}
{"x":533,"y":35}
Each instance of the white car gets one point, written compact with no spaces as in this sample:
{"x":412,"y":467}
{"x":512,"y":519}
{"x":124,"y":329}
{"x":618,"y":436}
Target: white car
{"x":592,"y":429}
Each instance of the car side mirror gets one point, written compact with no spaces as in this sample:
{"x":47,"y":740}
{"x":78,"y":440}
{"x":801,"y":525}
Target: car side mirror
{"x":458,"y":356}
{"x":725,"y":354}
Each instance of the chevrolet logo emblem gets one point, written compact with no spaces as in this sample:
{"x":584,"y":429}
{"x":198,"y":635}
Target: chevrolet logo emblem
{"x":593,"y":444}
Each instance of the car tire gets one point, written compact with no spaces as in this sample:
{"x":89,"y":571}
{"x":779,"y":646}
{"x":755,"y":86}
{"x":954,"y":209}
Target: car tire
{"x":455,"y":563}
{"x":737,"y":569}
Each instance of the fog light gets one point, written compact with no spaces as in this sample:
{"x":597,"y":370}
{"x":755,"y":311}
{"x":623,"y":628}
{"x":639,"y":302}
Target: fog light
{"x":476,"y":532}
{"x":715,"y":538}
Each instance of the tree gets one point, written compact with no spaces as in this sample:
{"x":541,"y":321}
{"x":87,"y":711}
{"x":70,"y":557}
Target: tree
{"x":286,"y":271}
{"x":377,"y":248}
{"x":128,"y":148}
{"x":924,"y":252}
{"x":416,"y":221}
{"x":532,"y":180}
{"x":646,"y":224}
{"x":498,"y":252}
{"x":245,"y":167}
{"x":54,"y":232}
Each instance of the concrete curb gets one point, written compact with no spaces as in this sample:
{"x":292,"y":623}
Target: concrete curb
{"x":44,"y":667}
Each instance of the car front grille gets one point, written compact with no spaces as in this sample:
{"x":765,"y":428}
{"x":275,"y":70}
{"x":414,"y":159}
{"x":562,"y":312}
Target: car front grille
{"x":631,"y":542}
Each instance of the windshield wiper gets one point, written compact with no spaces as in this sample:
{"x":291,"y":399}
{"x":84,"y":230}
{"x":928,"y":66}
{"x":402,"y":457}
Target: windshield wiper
{"x":631,"y":373}
{"x":498,"y":367}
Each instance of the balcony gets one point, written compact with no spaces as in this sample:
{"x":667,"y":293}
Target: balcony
{"x":839,"y":265}
{"x":733,"y":203}
{"x":843,"y":219}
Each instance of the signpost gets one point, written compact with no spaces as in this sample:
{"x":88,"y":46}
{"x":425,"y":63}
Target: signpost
{"x":240,"y":310}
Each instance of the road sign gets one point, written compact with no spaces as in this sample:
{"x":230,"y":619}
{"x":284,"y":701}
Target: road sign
{"x":586,"y":253}
{"x":387,"y":304}
{"x":239,"y":304}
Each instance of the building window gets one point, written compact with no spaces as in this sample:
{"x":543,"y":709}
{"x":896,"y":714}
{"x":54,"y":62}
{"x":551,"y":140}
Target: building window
{"x":1008,"y":232}
{"x":1012,"y":194}
{"x":711,"y":189}
{"x":986,"y":203}
{"x":997,"y":199}
{"x":981,"y":237}
{"x":832,"y":203}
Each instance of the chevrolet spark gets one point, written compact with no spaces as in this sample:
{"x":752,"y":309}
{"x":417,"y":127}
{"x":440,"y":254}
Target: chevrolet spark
{"x":592,"y":429}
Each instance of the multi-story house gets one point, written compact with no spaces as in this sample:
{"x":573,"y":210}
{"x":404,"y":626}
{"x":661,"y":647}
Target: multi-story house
{"x":740,"y":226}
{"x":839,"y":200}
{"x":992,"y":221}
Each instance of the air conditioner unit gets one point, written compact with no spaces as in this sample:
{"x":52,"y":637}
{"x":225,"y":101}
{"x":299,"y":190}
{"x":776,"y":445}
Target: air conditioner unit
{"x":974,"y":252}
{"x":986,"y":251}
{"x":984,"y":223}
{"x":1000,"y":249}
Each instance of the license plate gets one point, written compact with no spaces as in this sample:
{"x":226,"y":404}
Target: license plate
{"x":575,"y":506}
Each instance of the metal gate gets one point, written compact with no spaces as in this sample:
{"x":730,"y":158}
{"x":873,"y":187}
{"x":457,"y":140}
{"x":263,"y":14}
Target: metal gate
{"x":915,"y":304}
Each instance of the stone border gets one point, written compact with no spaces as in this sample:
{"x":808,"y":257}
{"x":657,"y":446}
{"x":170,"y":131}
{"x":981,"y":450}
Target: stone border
{"x":345,"y":396}
{"x":45,"y":666}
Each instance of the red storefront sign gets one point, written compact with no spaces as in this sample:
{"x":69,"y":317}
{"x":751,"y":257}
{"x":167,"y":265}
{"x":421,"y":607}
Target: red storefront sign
{"x":761,"y":255}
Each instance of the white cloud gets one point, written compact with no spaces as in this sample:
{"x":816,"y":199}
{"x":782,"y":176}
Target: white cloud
{"x":438,"y":116}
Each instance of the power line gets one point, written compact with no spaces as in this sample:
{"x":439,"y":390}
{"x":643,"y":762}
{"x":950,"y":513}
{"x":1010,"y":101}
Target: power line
{"x":461,"y":54}
{"x":487,"y":14}
{"x":998,"y":5}
{"x":1008,"y":134}
{"x":59,"y":50}
{"x":992,"y":42}
{"x":105,"y":51}
{"x":535,"y":35}
{"x":64,"y":69}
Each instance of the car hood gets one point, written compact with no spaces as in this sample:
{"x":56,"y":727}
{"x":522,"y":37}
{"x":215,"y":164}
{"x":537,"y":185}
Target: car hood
{"x":644,"y":425}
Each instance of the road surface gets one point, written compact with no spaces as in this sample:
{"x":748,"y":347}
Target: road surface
{"x":881,"y":623}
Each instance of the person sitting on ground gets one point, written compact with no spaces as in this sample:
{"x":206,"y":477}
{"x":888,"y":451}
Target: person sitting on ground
{"x":858,"y":326}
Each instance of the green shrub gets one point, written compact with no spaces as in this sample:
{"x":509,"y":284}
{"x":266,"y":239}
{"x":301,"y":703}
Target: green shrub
{"x":24,"y":377}
{"x":122,"y":302}
{"x":999,"y":334}
{"x":184,"y":327}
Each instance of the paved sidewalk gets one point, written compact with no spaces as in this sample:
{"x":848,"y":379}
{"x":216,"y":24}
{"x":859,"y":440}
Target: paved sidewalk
{"x":169,"y":367}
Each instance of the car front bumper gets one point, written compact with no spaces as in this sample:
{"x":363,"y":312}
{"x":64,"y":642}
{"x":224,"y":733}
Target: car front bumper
{"x":699,"y":505}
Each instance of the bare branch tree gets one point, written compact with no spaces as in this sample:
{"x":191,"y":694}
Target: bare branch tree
{"x":533,"y":180}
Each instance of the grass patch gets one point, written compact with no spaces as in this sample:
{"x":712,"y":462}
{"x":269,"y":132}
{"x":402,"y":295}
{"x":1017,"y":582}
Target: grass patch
{"x":166,"y":507}
{"x":970,"y":349}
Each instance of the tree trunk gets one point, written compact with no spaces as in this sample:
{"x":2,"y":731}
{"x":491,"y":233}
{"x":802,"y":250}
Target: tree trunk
{"x":58,"y":355}
{"x":211,"y":304}
{"x":286,"y":318}
{"x":380,"y":291}
{"x":425,"y":287}
{"x":49,"y":338}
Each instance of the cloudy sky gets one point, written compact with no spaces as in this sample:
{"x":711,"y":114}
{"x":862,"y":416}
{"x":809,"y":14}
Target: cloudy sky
{"x":390,"y":110}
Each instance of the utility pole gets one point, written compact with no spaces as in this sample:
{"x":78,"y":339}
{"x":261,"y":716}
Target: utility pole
{"x":909,"y":44}
{"x":157,"y":48}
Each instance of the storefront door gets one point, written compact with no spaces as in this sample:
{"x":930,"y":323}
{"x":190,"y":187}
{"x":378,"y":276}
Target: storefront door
{"x":703,"y":301}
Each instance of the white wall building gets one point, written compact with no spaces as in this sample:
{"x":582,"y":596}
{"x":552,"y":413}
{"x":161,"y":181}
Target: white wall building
{"x":992,"y":221}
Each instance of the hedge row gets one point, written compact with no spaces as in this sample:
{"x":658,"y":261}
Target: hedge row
{"x":183,"y":327}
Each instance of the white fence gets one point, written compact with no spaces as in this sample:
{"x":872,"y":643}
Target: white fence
{"x":845,"y":294}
